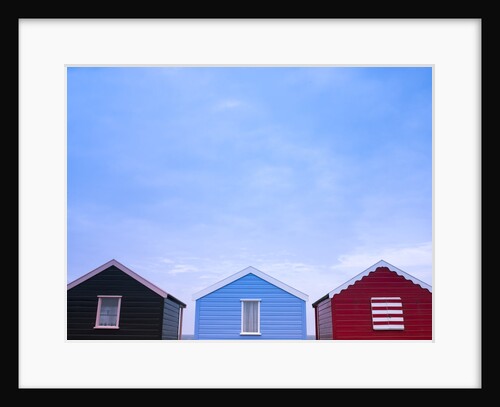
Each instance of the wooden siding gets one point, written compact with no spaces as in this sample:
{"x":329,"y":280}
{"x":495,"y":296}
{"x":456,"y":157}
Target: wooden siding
{"x":171,"y":312}
{"x":351,"y":308}
{"x":218,"y":314}
{"x":324,"y":319}
{"x":140,"y":313}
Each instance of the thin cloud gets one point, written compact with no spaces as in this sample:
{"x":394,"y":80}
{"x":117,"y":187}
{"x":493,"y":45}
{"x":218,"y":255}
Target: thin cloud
{"x":228,"y":104}
{"x":417,"y":255}
{"x":287,"y":268}
{"x":183,"y":268}
{"x":415,"y":259}
{"x":274,"y":177}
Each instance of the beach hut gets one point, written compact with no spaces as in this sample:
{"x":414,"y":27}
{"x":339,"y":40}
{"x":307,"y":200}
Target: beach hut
{"x":113,"y":302}
{"x":250,"y":305}
{"x":382,"y":302}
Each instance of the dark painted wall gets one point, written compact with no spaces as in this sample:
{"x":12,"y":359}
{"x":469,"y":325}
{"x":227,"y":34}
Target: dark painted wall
{"x":141,"y":313}
{"x":171,"y":320}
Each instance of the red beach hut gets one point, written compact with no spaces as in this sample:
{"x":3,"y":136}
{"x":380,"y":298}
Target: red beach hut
{"x":381,"y":303}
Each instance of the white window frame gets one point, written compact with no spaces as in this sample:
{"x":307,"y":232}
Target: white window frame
{"x":257,"y":300}
{"x":117,"y":326}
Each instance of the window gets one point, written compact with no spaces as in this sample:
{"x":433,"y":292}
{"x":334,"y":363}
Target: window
{"x":108,"y":311}
{"x":250,"y":317}
{"x":387,"y":313}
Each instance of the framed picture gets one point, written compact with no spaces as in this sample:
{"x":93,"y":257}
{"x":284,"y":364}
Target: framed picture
{"x":307,"y":149}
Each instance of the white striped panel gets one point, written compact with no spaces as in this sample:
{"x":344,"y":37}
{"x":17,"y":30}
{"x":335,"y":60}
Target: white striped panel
{"x":388,"y":327}
{"x":386,"y":298}
{"x":387,"y":304}
{"x":386,"y":319}
{"x":387,"y":311}
{"x":384,"y":310}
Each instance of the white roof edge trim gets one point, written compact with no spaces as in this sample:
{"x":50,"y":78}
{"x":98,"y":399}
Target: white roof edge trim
{"x":381,"y":263}
{"x":123,"y":268}
{"x":258,"y":273}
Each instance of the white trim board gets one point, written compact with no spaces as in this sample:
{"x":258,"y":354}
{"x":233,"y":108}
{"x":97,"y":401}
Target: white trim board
{"x":123,"y":268}
{"x":381,"y":263}
{"x":258,"y":273}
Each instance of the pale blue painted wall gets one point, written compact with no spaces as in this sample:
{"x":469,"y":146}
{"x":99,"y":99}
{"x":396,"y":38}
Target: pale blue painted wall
{"x":218,"y":314}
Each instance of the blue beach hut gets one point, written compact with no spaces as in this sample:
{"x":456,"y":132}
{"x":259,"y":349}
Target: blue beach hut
{"x":250,"y":305}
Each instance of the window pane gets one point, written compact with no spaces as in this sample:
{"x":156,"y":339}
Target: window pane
{"x":109,"y":312}
{"x":250,"y":316}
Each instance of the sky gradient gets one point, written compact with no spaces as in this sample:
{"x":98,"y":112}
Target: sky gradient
{"x":187,"y":175}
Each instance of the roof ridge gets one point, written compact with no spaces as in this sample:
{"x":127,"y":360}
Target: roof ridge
{"x":380,"y":263}
{"x":250,"y":270}
{"x":126,"y":270}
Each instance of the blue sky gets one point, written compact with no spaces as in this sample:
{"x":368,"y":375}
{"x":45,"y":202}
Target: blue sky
{"x":187,"y":175}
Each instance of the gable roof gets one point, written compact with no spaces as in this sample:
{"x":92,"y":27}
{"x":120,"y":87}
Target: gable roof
{"x":258,"y":273}
{"x":127,"y":271}
{"x":364,"y":273}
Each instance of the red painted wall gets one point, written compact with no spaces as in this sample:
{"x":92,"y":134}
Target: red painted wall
{"x":351,"y":308}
